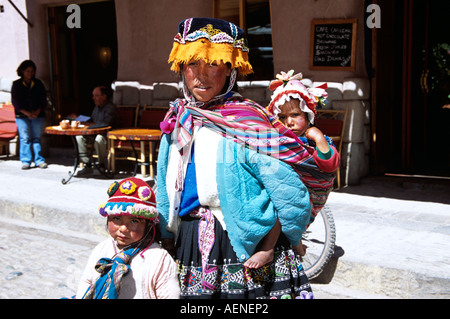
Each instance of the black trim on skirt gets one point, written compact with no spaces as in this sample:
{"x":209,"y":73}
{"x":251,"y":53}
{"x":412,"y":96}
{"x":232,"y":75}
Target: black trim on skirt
{"x":226,"y":277}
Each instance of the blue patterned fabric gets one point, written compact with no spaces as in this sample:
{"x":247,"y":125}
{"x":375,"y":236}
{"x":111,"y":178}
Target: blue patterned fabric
{"x":107,"y":285}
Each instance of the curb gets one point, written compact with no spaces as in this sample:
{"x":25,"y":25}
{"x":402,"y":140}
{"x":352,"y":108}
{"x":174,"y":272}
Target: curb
{"x":340,"y":275}
{"x":382,"y":282}
{"x":56,"y":218}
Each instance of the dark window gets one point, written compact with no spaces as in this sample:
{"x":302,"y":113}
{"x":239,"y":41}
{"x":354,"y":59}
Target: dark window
{"x":253,"y":16}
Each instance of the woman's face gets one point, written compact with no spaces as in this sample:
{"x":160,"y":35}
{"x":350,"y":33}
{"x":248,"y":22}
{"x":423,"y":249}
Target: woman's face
{"x":125,"y":229}
{"x":204,"y":80}
{"x":293,"y":117}
{"x":28,"y":74}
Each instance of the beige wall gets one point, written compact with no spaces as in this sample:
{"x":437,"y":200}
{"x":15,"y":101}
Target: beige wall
{"x":14,"y":38}
{"x":145,"y":30}
{"x":38,"y":34}
{"x":291,"y":31}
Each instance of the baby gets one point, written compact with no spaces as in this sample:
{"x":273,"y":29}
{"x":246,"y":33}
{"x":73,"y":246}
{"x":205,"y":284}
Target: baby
{"x":295,"y":106}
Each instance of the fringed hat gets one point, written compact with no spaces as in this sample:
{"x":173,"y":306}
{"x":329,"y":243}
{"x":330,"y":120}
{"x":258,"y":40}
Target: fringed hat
{"x":288,"y":86}
{"x":210,"y":40}
{"x":131,"y":196}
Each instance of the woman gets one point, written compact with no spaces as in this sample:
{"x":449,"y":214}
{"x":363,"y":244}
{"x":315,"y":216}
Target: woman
{"x":217,"y":191}
{"x":29,"y":99}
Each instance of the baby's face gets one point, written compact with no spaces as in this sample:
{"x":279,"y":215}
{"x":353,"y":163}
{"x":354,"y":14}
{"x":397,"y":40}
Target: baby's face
{"x":293,"y":118}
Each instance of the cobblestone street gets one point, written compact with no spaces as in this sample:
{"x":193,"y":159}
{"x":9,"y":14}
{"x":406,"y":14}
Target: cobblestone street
{"x":37,"y":263}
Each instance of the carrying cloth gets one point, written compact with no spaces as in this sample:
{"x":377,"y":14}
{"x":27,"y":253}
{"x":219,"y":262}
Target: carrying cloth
{"x":249,"y":124}
{"x":107,"y":285}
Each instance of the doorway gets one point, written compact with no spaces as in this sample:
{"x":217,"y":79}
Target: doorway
{"x":412,"y":89}
{"x":81,"y":58}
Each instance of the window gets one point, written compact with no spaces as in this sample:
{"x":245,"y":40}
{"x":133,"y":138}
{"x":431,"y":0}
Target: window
{"x":253,"y":16}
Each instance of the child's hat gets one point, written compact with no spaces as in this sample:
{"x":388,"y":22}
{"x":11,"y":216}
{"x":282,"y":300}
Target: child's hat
{"x":288,"y":86}
{"x":210,"y":40}
{"x":131,"y":196}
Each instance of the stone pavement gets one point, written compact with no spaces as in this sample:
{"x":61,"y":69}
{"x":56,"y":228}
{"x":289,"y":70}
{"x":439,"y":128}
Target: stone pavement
{"x":38,"y":262}
{"x":392,"y":234}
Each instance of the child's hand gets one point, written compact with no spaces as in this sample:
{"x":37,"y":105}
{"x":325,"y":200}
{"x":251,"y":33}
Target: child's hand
{"x":300,"y":249}
{"x":313,"y":133}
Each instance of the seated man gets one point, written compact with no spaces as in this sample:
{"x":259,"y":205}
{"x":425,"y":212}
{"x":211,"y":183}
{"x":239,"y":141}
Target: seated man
{"x":105,"y":112}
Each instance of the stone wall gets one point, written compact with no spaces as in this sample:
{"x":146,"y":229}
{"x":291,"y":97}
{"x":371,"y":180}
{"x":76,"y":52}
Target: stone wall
{"x":353,"y":94}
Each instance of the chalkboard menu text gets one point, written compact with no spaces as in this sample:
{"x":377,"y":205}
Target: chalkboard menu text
{"x":333,"y":44}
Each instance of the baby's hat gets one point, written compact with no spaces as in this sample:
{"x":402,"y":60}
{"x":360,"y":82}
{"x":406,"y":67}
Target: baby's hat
{"x":131,"y":196}
{"x":288,"y":86}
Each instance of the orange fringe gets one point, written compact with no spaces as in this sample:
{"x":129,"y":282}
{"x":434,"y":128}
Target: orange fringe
{"x":209,"y":52}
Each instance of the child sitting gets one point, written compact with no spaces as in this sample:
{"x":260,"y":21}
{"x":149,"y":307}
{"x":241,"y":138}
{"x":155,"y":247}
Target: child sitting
{"x":295,"y":106}
{"x":130,"y":264}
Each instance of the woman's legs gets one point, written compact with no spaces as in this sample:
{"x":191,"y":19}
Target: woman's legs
{"x":36,"y":133}
{"x":24,"y":128}
{"x":30,"y":131}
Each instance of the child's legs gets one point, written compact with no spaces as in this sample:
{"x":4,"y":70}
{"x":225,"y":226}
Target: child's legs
{"x":271,"y":238}
{"x":265,"y":248}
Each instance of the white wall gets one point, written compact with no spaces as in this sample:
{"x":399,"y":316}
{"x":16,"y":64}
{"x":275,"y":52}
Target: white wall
{"x":13,"y":38}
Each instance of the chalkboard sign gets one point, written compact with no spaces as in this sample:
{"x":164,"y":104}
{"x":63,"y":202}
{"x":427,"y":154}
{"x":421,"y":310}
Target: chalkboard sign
{"x":333,"y":44}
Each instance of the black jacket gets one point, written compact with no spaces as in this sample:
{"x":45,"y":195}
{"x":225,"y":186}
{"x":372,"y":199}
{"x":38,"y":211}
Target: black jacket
{"x":28,"y":98}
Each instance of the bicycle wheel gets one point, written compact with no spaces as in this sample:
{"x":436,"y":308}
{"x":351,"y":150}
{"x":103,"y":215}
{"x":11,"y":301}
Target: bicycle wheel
{"x":319,"y":238}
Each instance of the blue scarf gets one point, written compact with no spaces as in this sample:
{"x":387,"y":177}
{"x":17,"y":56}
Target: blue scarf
{"x":107,"y":285}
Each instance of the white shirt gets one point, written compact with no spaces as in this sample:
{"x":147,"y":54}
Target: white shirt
{"x":154,"y":275}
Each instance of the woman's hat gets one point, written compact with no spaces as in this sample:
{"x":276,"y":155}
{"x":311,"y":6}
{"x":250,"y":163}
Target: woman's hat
{"x":288,"y":86}
{"x":210,"y":40}
{"x":131,"y":196}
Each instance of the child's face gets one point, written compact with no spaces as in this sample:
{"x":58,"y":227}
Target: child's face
{"x":293,"y":118}
{"x":125,"y":229}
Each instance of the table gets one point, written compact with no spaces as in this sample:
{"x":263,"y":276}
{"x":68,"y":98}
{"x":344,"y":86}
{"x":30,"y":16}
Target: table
{"x":133,"y":135}
{"x":73,"y":132}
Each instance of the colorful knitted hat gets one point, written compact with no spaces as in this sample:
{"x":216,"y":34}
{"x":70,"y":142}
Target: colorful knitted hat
{"x":210,"y":40}
{"x":288,"y":86}
{"x":131,"y":196}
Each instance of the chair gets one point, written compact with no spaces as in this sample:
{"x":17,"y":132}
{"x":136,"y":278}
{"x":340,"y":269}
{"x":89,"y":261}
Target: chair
{"x":128,"y":117}
{"x":332,"y":123}
{"x":149,"y":117}
{"x":8,"y":127}
{"x":152,"y":116}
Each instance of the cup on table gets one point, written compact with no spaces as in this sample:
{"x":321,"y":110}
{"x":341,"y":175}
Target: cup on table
{"x":65,"y":124}
{"x":74,"y":124}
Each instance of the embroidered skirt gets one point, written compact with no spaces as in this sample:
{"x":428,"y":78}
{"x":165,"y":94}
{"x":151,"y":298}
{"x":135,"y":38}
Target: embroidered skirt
{"x":222,"y":275}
